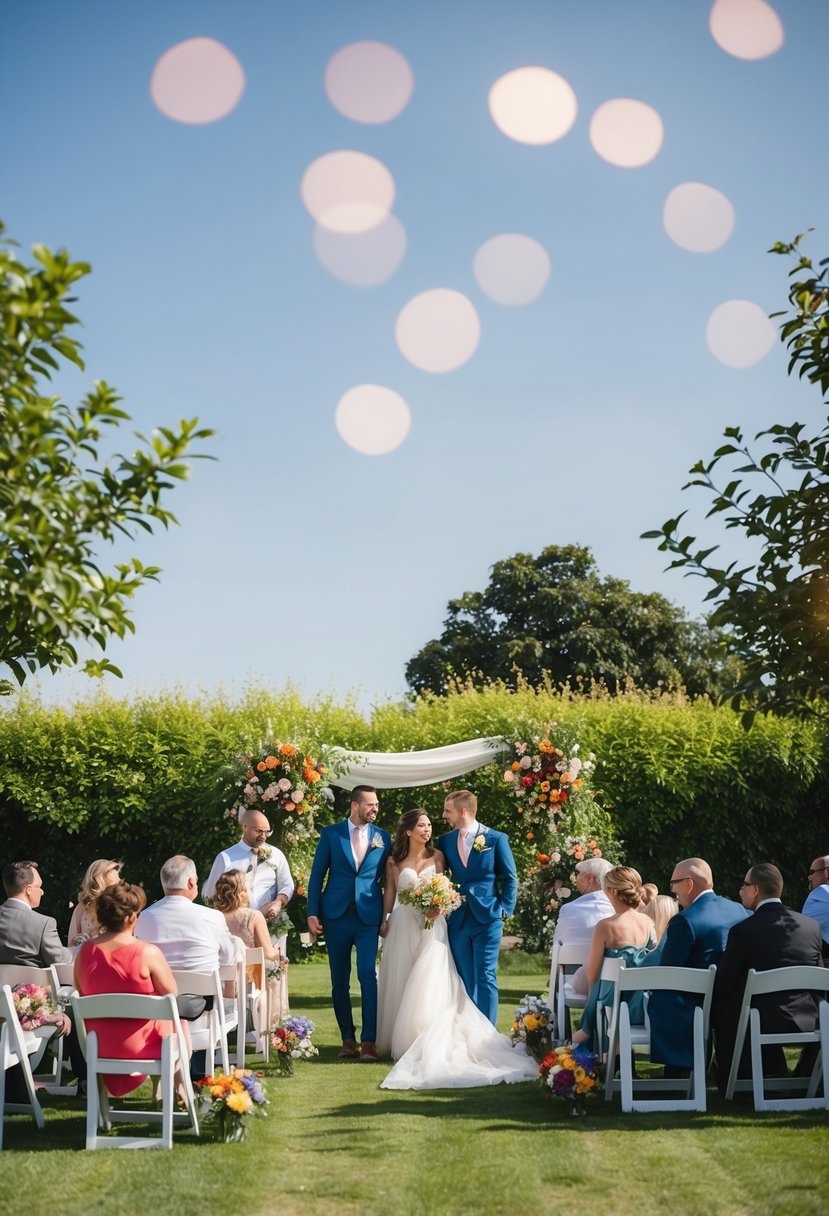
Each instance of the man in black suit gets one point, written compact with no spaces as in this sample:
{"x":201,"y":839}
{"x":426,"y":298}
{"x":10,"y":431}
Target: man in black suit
{"x":773,"y":937}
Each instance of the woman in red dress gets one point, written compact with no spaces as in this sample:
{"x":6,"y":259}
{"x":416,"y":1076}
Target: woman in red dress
{"x":116,"y":962}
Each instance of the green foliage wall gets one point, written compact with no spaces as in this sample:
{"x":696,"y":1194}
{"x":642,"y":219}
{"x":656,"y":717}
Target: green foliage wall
{"x":136,"y":779}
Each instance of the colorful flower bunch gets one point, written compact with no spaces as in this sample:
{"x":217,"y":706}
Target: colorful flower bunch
{"x":228,"y":1097}
{"x":434,"y":896}
{"x":542,"y":779}
{"x":33,"y":1005}
{"x":571,"y":1073}
{"x":532,"y":1025}
{"x":286,"y":783}
{"x":291,"y":1040}
{"x":276,"y":968}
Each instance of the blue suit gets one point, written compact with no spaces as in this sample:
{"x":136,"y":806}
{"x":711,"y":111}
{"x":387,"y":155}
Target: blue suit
{"x":695,"y":937}
{"x":490,"y":884}
{"x":350,"y":907}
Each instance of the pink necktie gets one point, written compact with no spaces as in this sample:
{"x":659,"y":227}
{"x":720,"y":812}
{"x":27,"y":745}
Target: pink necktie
{"x":360,"y":846}
{"x":463,"y":846}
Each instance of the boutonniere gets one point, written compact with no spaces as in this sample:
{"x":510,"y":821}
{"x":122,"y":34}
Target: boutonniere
{"x":480,"y":845}
{"x":377,"y":842}
{"x":262,"y":853}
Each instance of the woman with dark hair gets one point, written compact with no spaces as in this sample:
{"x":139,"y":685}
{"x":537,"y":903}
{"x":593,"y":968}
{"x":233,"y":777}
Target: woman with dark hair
{"x":425,"y":1018}
{"x":115,"y":962}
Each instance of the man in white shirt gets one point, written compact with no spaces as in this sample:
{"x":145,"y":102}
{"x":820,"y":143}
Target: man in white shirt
{"x":191,"y":937}
{"x":577,"y":919}
{"x":817,"y":901}
{"x":265,"y":867}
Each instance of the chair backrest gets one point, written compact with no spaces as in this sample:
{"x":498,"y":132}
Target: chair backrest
{"x":65,"y":973}
{"x":572,"y":954}
{"x":255,"y":957}
{"x":135,"y":1005}
{"x":786,"y":979}
{"x":14,"y":973}
{"x":199,"y":983}
{"x":676,"y":979}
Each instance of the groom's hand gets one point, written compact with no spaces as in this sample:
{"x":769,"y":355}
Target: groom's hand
{"x":315,"y":926}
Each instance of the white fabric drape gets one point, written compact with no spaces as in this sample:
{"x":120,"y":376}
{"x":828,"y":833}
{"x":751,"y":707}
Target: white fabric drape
{"x":404,"y":770}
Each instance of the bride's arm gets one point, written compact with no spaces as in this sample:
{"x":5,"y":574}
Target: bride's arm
{"x":389,"y":892}
{"x":440,"y":861}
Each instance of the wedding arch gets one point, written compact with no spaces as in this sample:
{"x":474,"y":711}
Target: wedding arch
{"x":405,"y":770}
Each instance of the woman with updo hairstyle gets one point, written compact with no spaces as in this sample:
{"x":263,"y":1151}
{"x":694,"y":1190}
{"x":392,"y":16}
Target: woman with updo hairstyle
{"x":84,"y":924}
{"x":649,"y":893}
{"x":627,"y":934}
{"x":115,"y":962}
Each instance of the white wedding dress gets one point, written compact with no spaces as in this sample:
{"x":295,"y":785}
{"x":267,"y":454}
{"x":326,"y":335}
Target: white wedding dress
{"x":439,"y":1039}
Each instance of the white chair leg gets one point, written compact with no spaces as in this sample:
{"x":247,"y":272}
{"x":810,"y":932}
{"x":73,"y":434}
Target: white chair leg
{"x":756,"y":1061}
{"x":167,"y":1092}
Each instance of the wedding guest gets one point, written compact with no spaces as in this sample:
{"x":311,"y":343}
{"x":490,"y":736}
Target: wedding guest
{"x":84,"y":923}
{"x":232,"y":900}
{"x":817,"y":901}
{"x":265,"y":867}
{"x":113,"y":961}
{"x":660,"y":910}
{"x":578,"y":918}
{"x":627,"y":934}
{"x":695,"y":937}
{"x":773,"y":937}
{"x":649,"y":893}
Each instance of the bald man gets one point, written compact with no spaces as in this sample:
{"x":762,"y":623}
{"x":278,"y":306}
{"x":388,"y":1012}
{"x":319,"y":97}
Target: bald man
{"x":695,"y":937}
{"x":817,"y":901}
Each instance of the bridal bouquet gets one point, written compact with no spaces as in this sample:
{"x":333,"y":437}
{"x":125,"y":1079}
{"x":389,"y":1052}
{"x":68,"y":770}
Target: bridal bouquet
{"x":571,"y":1073}
{"x":436,"y":895}
{"x":228,"y":1097}
{"x":291,"y":1040}
{"x":532,"y":1025}
{"x":33,"y":1005}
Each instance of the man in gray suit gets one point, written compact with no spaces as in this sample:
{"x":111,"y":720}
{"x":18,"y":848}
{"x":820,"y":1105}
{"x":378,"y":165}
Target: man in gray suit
{"x":26,"y":937}
{"x":31,"y":940}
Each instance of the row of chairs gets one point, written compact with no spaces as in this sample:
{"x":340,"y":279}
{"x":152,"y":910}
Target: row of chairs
{"x":210,"y":1033}
{"x":623,"y":1038}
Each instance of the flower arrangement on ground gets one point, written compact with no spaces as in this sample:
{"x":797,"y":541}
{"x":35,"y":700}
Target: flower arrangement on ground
{"x":227,"y":1098}
{"x":570,"y":1073}
{"x":532,"y":1025}
{"x":434,"y":896}
{"x":34,"y":1006}
{"x":291,"y":1040}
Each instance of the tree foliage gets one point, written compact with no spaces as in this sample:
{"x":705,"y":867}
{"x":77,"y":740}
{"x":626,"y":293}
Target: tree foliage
{"x":776,"y":607}
{"x":554,"y":616}
{"x":58,"y":499}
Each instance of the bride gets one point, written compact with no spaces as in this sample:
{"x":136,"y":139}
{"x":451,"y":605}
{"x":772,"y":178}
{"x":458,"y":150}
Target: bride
{"x":439,"y":1039}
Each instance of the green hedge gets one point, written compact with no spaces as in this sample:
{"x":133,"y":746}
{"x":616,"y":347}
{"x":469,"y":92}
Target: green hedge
{"x":137,"y":779}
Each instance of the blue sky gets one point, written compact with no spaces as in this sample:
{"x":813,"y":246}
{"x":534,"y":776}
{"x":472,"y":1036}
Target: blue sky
{"x":577,"y":417}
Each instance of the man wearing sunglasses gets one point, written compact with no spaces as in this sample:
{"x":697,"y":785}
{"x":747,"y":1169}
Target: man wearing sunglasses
{"x":695,"y":937}
{"x":817,"y":901}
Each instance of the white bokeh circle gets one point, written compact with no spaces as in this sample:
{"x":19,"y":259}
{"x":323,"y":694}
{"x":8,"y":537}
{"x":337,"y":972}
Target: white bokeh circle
{"x":197,"y":81}
{"x":348,"y":191}
{"x":369,"y":82}
{"x":438,"y":330}
{"x":533,"y":105}
{"x":626,"y":132}
{"x":511,"y":269}
{"x":739,"y":333}
{"x":363,"y":260}
{"x":746,"y":29}
{"x":372,"y":419}
{"x":698,"y":217}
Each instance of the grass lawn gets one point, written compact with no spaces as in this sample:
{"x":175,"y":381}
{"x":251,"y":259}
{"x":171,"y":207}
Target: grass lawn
{"x":333,"y":1143}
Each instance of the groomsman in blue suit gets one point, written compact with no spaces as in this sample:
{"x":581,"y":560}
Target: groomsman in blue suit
{"x":695,"y":937}
{"x":482,"y":866}
{"x":350,"y":861}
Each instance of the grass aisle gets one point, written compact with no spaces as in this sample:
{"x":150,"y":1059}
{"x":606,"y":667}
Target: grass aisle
{"x":334,"y":1143}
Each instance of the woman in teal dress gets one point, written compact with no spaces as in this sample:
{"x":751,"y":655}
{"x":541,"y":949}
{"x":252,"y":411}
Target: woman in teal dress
{"x":627,"y":934}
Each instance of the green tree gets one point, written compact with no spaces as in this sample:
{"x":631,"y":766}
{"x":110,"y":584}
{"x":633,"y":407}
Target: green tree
{"x":776,"y":607}
{"x":58,"y":499}
{"x":554,"y":616}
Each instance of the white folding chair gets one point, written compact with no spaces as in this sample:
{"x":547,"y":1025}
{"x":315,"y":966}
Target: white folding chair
{"x":14,"y":1050}
{"x":626,"y":1036}
{"x":209,"y":1033}
{"x":258,"y":999}
{"x":45,"y":977}
{"x":236,"y":1020}
{"x":782,"y":979}
{"x":567,"y":958}
{"x":99,"y":1114}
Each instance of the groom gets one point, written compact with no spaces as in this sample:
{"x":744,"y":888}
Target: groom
{"x":482,"y":866}
{"x":352,"y":854}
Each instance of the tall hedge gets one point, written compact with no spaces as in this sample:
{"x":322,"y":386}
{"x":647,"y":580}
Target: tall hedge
{"x":136,"y":778}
